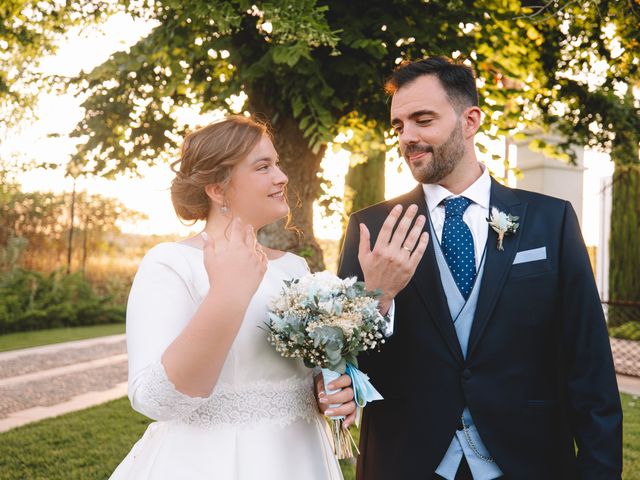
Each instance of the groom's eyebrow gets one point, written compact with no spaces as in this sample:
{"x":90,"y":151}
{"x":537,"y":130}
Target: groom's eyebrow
{"x":413,"y":116}
{"x":421,"y":113}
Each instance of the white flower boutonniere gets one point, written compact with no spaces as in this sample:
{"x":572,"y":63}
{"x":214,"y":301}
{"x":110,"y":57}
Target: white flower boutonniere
{"x":502,"y":223}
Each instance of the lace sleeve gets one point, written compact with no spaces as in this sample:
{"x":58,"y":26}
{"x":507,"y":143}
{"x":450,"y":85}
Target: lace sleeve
{"x":161,"y":303}
{"x":152,"y":394}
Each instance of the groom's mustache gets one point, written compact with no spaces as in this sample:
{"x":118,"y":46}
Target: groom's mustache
{"x":417,"y":148}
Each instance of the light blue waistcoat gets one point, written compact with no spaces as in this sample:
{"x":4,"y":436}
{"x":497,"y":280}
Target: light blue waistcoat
{"x":463,"y":313}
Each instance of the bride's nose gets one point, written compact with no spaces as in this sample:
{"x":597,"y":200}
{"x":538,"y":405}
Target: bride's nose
{"x":280,"y":178}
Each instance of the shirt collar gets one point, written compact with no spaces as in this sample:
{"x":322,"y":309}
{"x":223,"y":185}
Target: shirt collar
{"x":478,"y":192}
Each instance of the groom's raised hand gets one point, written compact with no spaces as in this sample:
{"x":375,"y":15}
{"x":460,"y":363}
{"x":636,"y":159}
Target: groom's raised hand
{"x":344,"y":398}
{"x":395,"y":255}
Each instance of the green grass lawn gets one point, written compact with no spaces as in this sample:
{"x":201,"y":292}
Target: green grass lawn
{"x":89,"y":444}
{"x":12,"y":341}
{"x":82,"y":445}
{"x":631,"y":439}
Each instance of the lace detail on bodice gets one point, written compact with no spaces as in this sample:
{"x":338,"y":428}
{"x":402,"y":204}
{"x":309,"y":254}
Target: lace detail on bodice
{"x":157,"y":397}
{"x":272,"y":402}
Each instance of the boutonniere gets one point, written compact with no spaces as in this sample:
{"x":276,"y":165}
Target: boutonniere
{"x":502,"y":223}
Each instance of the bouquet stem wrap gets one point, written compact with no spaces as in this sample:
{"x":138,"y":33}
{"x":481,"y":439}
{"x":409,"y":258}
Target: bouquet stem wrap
{"x":363,"y":392}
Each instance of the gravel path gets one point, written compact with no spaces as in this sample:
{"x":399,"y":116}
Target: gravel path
{"x":52,"y":376}
{"x":37,"y":362}
{"x":58,"y":389}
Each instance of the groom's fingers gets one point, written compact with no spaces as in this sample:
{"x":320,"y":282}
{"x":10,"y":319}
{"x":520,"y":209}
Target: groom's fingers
{"x":400,"y":234}
{"x":365,"y":241}
{"x":384,"y":236}
{"x":414,"y":234}
{"x":416,"y":256}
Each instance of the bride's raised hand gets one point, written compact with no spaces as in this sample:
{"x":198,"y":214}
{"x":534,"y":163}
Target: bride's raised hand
{"x":237,"y":266}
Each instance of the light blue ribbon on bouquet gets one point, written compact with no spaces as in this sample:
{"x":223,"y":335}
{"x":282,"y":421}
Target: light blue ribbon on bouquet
{"x":363,"y":391}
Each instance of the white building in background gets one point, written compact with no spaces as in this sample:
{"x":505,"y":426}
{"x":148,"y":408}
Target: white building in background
{"x":587,"y":185}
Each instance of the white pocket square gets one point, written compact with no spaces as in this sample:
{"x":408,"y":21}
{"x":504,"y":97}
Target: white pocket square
{"x":530,"y":255}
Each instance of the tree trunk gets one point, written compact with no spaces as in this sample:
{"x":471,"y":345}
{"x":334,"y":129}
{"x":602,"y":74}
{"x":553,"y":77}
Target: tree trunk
{"x":85,"y":241}
{"x":72,"y":214}
{"x":364,"y":185}
{"x":301,"y":165}
{"x":624,"y":247}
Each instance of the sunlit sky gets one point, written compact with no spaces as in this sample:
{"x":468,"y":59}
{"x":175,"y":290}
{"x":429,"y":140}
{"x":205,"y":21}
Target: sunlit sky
{"x":149,"y":194}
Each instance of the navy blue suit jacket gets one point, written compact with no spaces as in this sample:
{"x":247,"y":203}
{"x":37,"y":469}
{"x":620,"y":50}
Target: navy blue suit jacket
{"x":538,"y":377}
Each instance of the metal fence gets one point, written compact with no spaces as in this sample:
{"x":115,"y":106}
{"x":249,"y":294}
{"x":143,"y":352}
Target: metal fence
{"x":626,"y":353}
{"x":626,"y":356}
{"x":619,"y":312}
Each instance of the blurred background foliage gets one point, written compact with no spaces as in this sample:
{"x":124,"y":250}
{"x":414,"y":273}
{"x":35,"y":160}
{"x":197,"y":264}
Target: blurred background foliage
{"x":315,"y":70}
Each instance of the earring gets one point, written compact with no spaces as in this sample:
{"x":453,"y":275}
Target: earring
{"x":224,"y":209}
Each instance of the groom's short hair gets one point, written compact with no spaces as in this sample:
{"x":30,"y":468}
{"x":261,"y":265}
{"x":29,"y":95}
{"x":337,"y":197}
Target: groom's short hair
{"x":457,"y":79}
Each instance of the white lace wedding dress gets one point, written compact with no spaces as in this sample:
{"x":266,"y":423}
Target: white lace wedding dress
{"x":261,"y":420}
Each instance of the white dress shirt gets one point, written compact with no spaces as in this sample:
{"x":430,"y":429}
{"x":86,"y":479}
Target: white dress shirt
{"x":475,"y":216}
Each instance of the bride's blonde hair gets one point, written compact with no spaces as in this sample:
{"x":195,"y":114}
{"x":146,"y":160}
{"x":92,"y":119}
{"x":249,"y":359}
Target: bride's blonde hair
{"x":207,"y":157}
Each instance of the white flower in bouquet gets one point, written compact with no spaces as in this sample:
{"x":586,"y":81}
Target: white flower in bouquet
{"x":325,"y":320}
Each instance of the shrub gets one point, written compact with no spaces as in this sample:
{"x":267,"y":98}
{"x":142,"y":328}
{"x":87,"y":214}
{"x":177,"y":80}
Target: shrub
{"x":627,"y":331}
{"x":32,"y":300}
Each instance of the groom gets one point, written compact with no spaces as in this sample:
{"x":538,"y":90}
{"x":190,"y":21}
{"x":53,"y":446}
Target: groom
{"x":498,"y":363}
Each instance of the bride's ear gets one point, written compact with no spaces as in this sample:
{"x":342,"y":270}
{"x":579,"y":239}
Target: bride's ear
{"x":215,"y":193}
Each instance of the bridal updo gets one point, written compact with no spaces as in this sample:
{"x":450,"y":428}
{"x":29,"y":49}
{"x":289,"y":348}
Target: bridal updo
{"x":207,"y":157}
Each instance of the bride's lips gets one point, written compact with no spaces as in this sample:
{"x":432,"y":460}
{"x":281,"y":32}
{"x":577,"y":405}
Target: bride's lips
{"x":277,"y":195}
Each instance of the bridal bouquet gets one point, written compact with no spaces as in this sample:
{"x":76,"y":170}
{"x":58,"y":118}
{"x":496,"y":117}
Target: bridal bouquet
{"x":327,"y":321}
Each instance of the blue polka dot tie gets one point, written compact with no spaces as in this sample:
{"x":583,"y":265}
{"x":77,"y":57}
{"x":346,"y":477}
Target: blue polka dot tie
{"x":457,"y":244}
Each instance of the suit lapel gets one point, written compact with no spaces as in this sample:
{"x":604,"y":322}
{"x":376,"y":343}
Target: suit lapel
{"x":427,"y":281}
{"x":497,"y":263}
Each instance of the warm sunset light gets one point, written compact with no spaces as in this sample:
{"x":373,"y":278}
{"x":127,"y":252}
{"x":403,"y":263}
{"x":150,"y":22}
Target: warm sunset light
{"x":149,"y":193}
{"x":476,"y":339}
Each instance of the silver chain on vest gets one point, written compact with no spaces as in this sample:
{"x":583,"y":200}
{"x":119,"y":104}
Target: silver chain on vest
{"x":473,"y":445}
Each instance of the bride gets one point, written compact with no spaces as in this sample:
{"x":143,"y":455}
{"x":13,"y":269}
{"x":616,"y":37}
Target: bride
{"x":227,"y":405}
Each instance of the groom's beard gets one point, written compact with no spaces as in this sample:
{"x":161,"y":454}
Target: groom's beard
{"x":444,"y":157}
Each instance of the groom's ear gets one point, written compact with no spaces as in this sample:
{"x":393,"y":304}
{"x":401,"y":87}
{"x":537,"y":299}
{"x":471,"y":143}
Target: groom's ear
{"x":471,"y":120}
{"x":215,"y":193}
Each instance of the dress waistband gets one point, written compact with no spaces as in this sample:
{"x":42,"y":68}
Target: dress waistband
{"x":256,"y":403}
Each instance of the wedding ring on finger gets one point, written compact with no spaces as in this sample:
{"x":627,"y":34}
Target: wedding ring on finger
{"x":407,"y":249}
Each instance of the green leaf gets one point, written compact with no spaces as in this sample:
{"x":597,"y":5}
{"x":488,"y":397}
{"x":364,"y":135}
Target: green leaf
{"x":298,"y":105}
{"x":304,"y":122}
